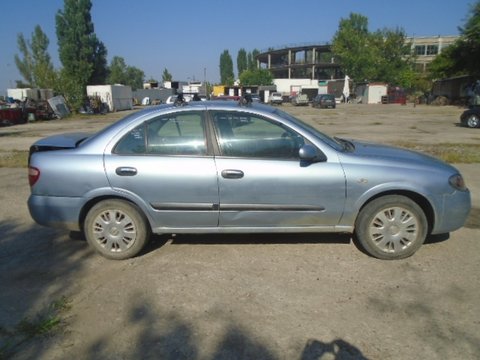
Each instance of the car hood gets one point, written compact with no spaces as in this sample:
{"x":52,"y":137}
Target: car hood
{"x":390,"y":154}
{"x":64,"y":141}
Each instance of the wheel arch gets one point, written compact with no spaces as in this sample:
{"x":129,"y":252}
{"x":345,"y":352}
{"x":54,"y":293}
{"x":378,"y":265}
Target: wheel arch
{"x":419,"y":199}
{"x":92,"y":202}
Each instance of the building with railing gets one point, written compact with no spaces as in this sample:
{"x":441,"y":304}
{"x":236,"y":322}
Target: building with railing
{"x":313,"y":61}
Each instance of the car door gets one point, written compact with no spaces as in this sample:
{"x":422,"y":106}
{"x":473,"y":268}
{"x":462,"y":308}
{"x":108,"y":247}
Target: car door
{"x":263,"y":183}
{"x":164,"y":163}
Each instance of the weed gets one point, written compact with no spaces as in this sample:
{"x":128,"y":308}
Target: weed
{"x":14,"y":159}
{"x":44,"y":323}
{"x":450,"y":153}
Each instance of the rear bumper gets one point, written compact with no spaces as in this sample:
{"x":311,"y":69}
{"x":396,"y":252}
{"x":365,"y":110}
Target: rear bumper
{"x":58,"y":212}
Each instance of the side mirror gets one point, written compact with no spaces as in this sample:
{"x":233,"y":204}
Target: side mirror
{"x":311,"y":154}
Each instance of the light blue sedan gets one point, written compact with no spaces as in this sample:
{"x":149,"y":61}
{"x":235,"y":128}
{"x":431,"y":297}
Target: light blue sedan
{"x":227,"y":167}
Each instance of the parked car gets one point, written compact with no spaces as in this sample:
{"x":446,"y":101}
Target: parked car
{"x":471,"y":117}
{"x":228,"y":98}
{"x":275,"y":98}
{"x":300,"y":99}
{"x":255,"y":98}
{"x":324,"y":101}
{"x":176,"y":98}
{"x":223,"y":167}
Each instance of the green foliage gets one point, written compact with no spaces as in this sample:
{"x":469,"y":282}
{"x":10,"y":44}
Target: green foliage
{"x":166,"y":76}
{"x":226,"y":68}
{"x":35,"y":66}
{"x":83,"y":56}
{"x":379,"y":56}
{"x":256,"y":77}
{"x":242,"y":62}
{"x":25,"y":64}
{"x":46,"y":322}
{"x":461,"y":58}
{"x":351,"y":45}
{"x":395,"y":65}
{"x":121,"y":73}
{"x":72,"y":90}
{"x":251,"y":59}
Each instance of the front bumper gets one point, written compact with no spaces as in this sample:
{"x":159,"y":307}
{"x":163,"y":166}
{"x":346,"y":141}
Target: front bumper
{"x":455,"y":210}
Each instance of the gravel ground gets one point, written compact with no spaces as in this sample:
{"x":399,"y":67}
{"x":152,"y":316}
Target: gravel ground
{"x":250,"y":296}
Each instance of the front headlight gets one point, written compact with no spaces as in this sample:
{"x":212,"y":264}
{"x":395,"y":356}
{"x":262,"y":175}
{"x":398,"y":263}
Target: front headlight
{"x":457,"y":182}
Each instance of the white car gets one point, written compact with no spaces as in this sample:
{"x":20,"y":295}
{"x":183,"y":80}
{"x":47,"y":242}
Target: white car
{"x":172,"y":98}
{"x":275,"y":98}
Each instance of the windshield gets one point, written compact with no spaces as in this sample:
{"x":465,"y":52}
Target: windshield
{"x":334,"y":143}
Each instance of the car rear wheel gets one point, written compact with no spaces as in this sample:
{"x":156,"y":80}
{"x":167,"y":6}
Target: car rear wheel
{"x":473,"y":121}
{"x":116,"y":229}
{"x":391,"y":227}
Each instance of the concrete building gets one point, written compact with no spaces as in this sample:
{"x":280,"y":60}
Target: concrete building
{"x":306,"y":61}
{"x":426,"y":48}
{"x":303,"y":67}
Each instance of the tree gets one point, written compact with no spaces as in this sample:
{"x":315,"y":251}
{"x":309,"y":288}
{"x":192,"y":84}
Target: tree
{"x":120,"y":73}
{"x":242,"y":62}
{"x":461,"y":58}
{"x":445,"y":64}
{"x":36,"y":66}
{"x":166,"y":76}
{"x":256,"y":77}
{"x":226,"y":68}
{"x":350,"y":46}
{"x":82,"y":55}
{"x":380,"y":56}
{"x":117,"y":71}
{"x":135,"y":77}
{"x":24,"y":65}
{"x":394,"y":63}
{"x":251,"y":59}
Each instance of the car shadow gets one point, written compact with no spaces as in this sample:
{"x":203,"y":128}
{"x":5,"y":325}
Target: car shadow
{"x":157,"y":241}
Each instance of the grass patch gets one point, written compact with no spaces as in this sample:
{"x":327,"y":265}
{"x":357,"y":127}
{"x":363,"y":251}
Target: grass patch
{"x":14,"y":159}
{"x":12,"y":134}
{"x":450,"y":153}
{"x":45,"y":323}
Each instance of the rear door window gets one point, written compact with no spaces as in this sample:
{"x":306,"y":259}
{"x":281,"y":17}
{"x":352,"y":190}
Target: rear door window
{"x":173,"y":134}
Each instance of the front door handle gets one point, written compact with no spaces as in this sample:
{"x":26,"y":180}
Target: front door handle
{"x":232,"y":174}
{"x":126,"y":171}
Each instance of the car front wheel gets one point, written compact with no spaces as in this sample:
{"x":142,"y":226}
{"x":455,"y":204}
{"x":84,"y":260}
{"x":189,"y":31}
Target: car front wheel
{"x":473,"y":121}
{"x":391,"y":227}
{"x":116,"y":229}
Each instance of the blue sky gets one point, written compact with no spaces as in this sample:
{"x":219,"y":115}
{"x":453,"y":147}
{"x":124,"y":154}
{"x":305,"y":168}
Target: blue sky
{"x":187,"y":37}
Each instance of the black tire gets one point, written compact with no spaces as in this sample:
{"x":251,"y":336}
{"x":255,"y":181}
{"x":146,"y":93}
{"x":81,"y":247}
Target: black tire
{"x":116,"y":229}
{"x":472,"y":121}
{"x":391,"y":227}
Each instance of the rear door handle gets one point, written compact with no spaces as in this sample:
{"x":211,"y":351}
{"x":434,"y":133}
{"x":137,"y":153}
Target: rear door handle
{"x":232,"y":174}
{"x":126,"y":171}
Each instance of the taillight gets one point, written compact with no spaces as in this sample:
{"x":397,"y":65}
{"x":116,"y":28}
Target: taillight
{"x":33,"y":175}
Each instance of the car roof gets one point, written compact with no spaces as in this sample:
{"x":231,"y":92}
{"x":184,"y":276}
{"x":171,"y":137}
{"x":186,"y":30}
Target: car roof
{"x":199,"y":105}
{"x":162,"y":109}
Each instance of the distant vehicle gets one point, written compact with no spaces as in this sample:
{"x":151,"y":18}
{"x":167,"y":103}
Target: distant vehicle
{"x":228,"y":97}
{"x":275,"y":98}
{"x":220,"y":167}
{"x":324,"y":101}
{"x":255,"y":98}
{"x":471,"y":117}
{"x":174,"y":98}
{"x":300,"y":99}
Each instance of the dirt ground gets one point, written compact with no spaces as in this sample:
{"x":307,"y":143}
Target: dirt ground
{"x":250,"y":296}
